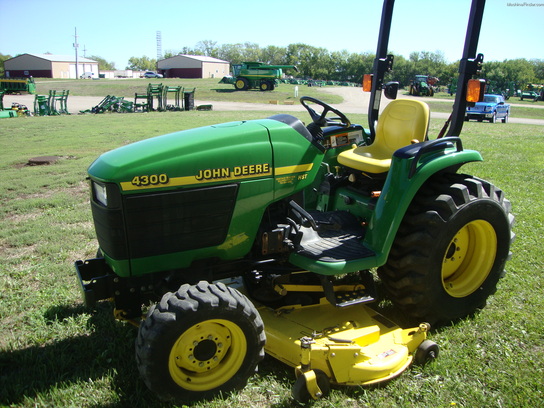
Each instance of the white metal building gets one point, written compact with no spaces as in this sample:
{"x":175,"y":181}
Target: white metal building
{"x":193,"y":66}
{"x":49,"y":66}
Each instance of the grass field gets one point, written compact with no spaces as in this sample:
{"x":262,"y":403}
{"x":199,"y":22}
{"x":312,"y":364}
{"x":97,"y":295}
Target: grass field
{"x":54,"y":352}
{"x":206,"y":89}
{"x":212,"y":90}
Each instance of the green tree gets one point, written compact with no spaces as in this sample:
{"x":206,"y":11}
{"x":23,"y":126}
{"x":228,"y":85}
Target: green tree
{"x":428,"y":63}
{"x":230,"y":52}
{"x":207,"y":48}
{"x":538,"y":68}
{"x":502,"y":75}
{"x":102,"y":63}
{"x":142,"y":64}
{"x":273,"y":55}
{"x":2,"y":59}
{"x":251,"y":52}
{"x":312,"y":62}
{"x":402,"y":71}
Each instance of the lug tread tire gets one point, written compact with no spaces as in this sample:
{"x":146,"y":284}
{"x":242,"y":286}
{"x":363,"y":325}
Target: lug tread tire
{"x":412,"y":276}
{"x":177,"y":312}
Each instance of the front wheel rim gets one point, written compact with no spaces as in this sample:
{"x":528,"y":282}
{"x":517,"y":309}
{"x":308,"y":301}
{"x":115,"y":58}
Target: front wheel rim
{"x":207,"y":355}
{"x":469,"y":258}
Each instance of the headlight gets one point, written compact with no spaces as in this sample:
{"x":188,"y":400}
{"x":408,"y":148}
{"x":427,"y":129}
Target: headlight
{"x":100,"y":193}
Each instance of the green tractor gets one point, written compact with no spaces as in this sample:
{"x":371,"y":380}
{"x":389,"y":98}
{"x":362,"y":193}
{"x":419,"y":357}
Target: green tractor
{"x":422,"y":85}
{"x":255,"y":75}
{"x":227,"y":241}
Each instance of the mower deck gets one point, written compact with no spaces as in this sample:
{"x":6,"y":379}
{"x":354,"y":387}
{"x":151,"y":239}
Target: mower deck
{"x":353,"y":345}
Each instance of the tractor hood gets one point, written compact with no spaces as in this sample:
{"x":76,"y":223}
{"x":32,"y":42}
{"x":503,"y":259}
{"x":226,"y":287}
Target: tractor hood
{"x":218,"y":154}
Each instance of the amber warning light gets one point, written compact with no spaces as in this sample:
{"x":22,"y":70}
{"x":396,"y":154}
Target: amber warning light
{"x":367,"y":83}
{"x":475,"y":90}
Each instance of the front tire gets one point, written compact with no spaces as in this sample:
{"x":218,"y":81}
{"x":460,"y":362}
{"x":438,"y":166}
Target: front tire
{"x":450,"y":250}
{"x":198,"y":342}
{"x":241,"y":84}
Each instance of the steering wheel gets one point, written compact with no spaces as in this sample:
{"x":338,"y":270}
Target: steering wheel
{"x":322,"y":120}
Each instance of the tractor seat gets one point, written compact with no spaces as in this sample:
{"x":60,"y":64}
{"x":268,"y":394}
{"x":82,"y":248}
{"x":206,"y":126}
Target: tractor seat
{"x":402,"y":122}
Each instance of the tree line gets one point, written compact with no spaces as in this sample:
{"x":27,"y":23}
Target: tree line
{"x":321,"y":64}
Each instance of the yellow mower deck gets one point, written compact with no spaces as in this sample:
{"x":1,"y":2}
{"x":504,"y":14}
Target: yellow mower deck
{"x":354,"y":345}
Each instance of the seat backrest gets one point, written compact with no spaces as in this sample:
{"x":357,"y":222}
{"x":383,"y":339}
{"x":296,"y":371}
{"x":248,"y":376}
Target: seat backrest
{"x":402,"y":121}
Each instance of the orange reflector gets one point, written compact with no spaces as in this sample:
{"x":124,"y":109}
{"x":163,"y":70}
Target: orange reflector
{"x":367,"y":83}
{"x":475,"y":90}
{"x":375,"y":194}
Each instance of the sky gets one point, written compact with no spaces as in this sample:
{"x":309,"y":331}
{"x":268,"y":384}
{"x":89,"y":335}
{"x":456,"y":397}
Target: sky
{"x":117,"y":30}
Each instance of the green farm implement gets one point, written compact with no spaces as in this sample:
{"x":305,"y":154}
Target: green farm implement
{"x":17,"y":85}
{"x":256,"y":75}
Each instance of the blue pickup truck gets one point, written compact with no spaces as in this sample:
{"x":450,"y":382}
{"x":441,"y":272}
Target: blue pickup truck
{"x":492,"y":108}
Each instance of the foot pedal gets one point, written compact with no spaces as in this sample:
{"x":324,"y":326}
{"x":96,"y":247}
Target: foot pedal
{"x":344,"y":298}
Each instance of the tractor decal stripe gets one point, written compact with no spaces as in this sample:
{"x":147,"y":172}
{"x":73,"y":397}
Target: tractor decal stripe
{"x":185,"y":181}
{"x":213,"y":175}
{"x":280,"y":171}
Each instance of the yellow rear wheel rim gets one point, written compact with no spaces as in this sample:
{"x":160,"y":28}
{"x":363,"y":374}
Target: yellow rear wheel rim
{"x":207,"y":355}
{"x":469,"y":258}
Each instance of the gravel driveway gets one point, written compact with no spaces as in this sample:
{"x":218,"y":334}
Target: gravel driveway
{"x":355,"y":101}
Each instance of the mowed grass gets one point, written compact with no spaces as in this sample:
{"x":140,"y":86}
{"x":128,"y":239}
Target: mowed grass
{"x":55,"y":353}
{"x":205,"y":89}
{"x":210,"y":89}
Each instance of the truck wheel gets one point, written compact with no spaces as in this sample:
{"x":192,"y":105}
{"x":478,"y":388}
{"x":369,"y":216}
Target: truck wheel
{"x":493,"y":118}
{"x":265,"y":86}
{"x":241,"y":84}
{"x":505,"y":119}
{"x":198,"y":342}
{"x":450,"y":249}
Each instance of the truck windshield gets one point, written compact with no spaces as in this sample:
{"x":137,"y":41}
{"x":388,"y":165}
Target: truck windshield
{"x":491,"y":98}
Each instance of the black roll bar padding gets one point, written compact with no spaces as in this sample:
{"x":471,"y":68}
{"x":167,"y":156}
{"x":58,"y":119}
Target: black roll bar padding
{"x":470,"y":65}
{"x":382,"y":64}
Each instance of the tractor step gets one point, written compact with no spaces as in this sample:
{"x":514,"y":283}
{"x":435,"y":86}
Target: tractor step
{"x":338,"y":238}
{"x":347,"y":298}
{"x":352,"y":298}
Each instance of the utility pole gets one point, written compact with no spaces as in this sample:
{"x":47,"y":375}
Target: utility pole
{"x":75,"y":46}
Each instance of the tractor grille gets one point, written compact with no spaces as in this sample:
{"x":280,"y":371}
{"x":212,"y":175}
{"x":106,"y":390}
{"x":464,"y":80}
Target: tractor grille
{"x":159,"y":224}
{"x":167,"y":222}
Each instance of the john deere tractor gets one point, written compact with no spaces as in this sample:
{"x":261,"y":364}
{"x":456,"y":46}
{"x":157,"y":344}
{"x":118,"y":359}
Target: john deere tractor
{"x":228,"y":241}
{"x":422,"y":85}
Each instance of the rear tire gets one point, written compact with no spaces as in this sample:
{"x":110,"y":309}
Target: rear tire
{"x":198,"y":342}
{"x":450,"y":249}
